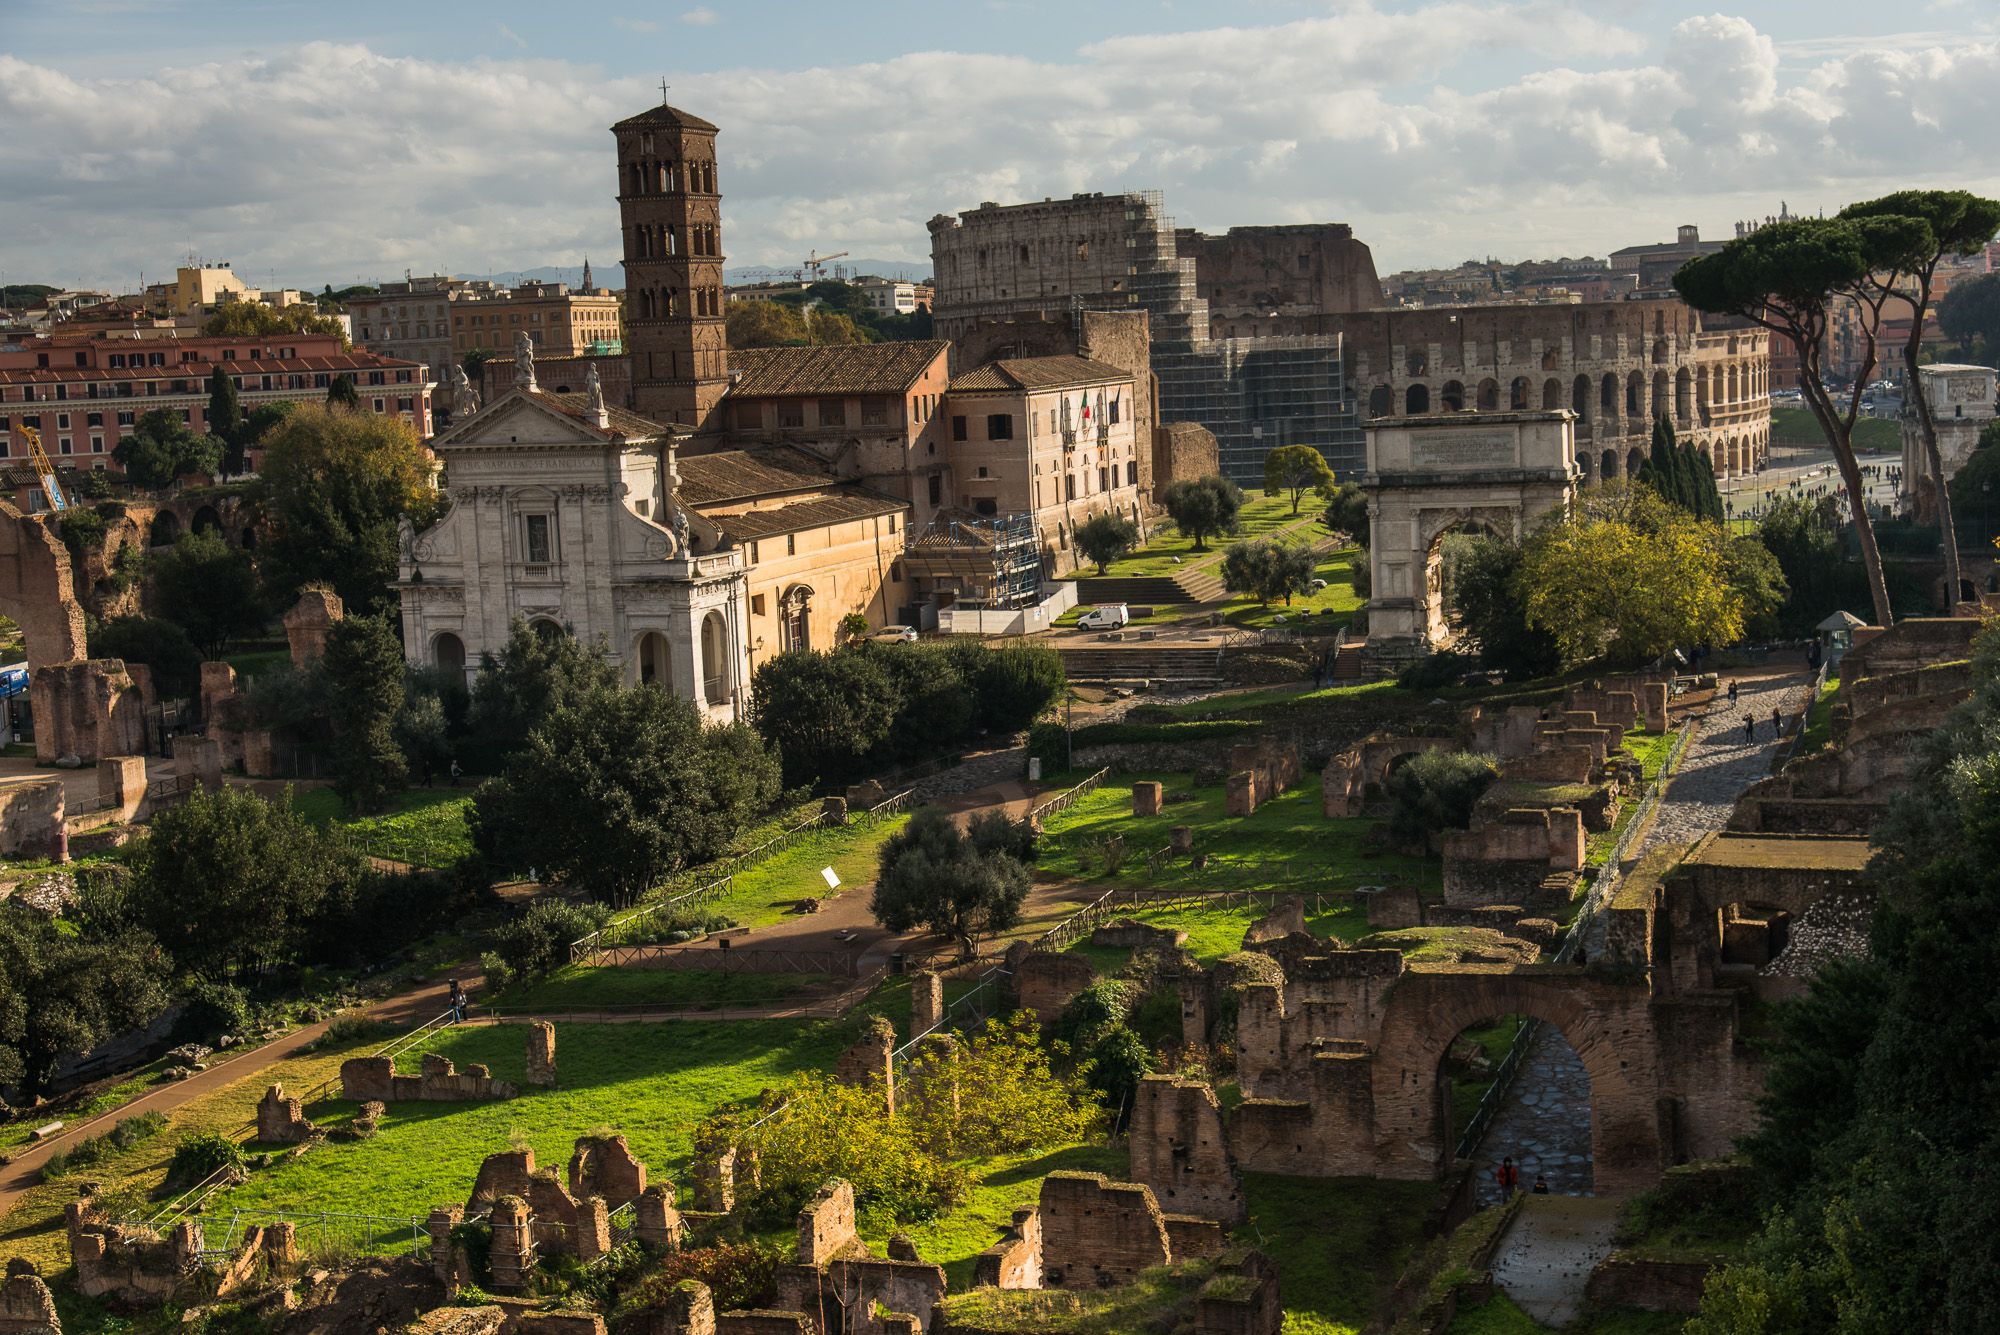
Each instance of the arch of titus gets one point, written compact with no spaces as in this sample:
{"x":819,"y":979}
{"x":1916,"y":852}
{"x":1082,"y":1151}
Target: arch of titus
{"x":1433,"y":473}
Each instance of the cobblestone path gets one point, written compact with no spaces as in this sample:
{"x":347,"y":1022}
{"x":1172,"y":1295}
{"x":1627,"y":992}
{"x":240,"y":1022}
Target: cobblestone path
{"x":1545,"y":1122}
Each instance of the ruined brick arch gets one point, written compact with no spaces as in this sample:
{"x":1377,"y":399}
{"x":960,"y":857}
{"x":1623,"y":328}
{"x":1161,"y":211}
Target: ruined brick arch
{"x":1452,"y":397}
{"x":1552,"y":396}
{"x":1610,"y":1026}
{"x":1607,"y":394}
{"x":1417,"y":399}
{"x":1683,"y":395}
{"x":1381,"y":401}
{"x":1520,"y":393}
{"x":1662,"y":389}
{"x":1489,"y":395}
{"x":1635,"y":394}
{"x":35,"y":589}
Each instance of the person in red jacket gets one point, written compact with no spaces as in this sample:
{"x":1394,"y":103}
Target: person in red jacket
{"x":1509,"y":1176}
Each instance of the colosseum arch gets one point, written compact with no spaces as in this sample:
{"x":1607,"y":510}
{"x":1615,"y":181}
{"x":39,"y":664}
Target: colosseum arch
{"x":1381,"y":401}
{"x":1662,"y":403}
{"x":1607,"y":465}
{"x":1635,"y":458}
{"x":1552,"y":396}
{"x":1519,"y":393}
{"x":1452,"y":397}
{"x":1579,"y":398}
{"x":1607,"y":395}
{"x":1489,"y":395}
{"x":1635,"y":394}
{"x":1683,"y":396}
{"x":1417,"y":399}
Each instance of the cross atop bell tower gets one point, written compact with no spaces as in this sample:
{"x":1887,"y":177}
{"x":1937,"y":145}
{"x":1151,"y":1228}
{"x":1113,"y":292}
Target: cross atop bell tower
{"x":671,"y":215}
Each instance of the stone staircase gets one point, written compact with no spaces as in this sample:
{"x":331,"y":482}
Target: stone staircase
{"x":1183,"y":586}
{"x":1143,"y":662}
{"x":1347,"y":663}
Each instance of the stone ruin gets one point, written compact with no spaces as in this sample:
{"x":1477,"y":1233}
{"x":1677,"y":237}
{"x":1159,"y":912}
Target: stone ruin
{"x":534,"y":1214}
{"x":1259,"y":772}
{"x":26,"y":1306}
{"x":282,"y":1120}
{"x":222,"y":704}
{"x":365,"y":1079}
{"x":542,"y":1054}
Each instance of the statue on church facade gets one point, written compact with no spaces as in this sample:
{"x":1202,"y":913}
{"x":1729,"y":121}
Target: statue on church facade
{"x":524,"y":362}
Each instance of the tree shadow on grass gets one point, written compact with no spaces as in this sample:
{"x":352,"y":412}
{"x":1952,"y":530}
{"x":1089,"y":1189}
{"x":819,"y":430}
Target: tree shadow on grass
{"x":1112,"y":1163}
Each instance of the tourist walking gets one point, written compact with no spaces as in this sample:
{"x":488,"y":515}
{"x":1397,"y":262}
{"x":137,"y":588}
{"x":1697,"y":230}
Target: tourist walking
{"x":1541,"y":1185}
{"x":1749,"y":727}
{"x":1508,"y":1175}
{"x":455,"y":772}
{"x":1732,"y":695}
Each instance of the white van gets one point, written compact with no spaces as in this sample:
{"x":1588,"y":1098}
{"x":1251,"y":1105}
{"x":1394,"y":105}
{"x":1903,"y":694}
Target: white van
{"x":1105,"y":616}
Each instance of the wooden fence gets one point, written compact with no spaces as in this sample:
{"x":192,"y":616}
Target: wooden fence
{"x":1065,"y":800}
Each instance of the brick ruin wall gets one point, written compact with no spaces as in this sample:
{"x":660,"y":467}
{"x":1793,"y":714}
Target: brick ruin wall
{"x":363,"y":1079}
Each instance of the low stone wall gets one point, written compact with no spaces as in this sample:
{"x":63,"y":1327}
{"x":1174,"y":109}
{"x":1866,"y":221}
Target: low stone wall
{"x":1651,"y":1286}
{"x":374,"y":1078}
{"x":31,"y":820}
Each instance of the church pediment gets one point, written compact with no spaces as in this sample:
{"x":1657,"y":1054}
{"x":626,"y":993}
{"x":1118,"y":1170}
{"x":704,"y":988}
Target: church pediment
{"x":517,"y":419}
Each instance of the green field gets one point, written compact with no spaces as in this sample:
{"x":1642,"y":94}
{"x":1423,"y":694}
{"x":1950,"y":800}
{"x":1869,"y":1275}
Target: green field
{"x":427,"y":824}
{"x":1870,"y":433}
{"x":1260,"y":517}
{"x":1325,"y":611}
{"x":598,"y":988}
{"x":1339,"y":1242}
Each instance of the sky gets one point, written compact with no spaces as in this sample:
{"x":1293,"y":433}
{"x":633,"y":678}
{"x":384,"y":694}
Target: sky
{"x":311,"y":143}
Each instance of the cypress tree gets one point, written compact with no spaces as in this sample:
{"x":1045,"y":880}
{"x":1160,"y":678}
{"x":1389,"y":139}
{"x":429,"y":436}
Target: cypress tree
{"x":1662,"y":469}
{"x":341,"y":392}
{"x":1704,"y":497}
{"x":225,"y":418}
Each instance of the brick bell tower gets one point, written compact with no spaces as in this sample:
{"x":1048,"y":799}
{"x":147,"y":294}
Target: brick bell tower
{"x":671,"y":216}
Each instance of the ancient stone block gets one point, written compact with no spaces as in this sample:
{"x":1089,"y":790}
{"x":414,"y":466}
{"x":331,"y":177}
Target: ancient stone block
{"x":308,"y":621}
{"x":826,"y":1224}
{"x":1131,"y":934}
{"x":1181,"y":840}
{"x":926,"y":1002}
{"x":592,"y":1233}
{"x":656,"y":1223}
{"x":201,"y":757}
{"x":1180,"y":1150}
{"x":879,"y":1286}
{"x":513,"y":1255}
{"x":1014,"y":1262}
{"x":31,"y":820}
{"x":1148,"y":797}
{"x":1393,"y":906}
{"x":1288,"y":917}
{"x":1566,"y":840}
{"x":504,"y":1174}
{"x":1098,"y":1234}
{"x":363,"y":1078}
{"x":868,"y":1061}
{"x":87,"y":708}
{"x":833,"y":811}
{"x":688,"y":1309}
{"x":1240,"y":794}
{"x":442,"y":1219}
{"x":542,"y":1054}
{"x":604,"y":1166}
{"x":1655,"y":694}
{"x":282,"y":1120}
{"x":1194,"y":1238}
{"x":1551,"y":764}
{"x":714,"y":1174}
{"x":1043,"y":981}
{"x":27,"y":1308}
{"x":121,"y":784}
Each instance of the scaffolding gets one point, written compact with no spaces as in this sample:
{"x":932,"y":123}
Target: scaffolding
{"x":984,"y":563}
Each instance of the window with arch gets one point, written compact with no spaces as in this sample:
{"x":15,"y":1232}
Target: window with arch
{"x":1417,"y":399}
{"x":1452,"y":396}
{"x":1635,"y":394}
{"x":1607,"y":395}
{"x":1552,"y":395}
{"x":1608,"y":464}
{"x":1579,"y":396}
{"x":1520,"y":393}
{"x":1381,"y":401}
{"x":795,"y":617}
{"x":1489,"y":395}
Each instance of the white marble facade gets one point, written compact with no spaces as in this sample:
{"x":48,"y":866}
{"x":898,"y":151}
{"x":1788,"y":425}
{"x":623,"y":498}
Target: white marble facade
{"x":564,"y":513}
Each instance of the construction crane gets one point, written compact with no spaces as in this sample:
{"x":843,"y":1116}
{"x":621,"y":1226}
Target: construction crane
{"x":44,"y":470}
{"x":816,"y":262}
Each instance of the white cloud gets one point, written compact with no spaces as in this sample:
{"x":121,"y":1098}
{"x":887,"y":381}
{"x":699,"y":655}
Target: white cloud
{"x":701,"y":17}
{"x":635,"y":25}
{"x":327,"y":161}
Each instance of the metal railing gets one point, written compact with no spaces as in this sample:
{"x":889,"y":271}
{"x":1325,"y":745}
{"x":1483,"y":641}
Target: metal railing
{"x":1789,"y":753}
{"x":337,"y":1233}
{"x":1065,"y":800}
{"x":974,"y":1006}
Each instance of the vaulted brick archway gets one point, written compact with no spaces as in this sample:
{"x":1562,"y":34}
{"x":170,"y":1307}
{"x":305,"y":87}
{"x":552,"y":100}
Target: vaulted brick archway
{"x":1610,"y":1025}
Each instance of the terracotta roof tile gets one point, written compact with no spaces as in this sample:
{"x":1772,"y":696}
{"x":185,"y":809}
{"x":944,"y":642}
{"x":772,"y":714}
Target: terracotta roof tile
{"x":1038,"y":373}
{"x":837,"y":368}
{"x":816,"y":513}
{"x":734,"y":475}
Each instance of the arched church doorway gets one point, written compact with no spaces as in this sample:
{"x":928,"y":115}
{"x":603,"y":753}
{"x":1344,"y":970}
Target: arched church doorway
{"x":448,"y":652}
{"x":655,"y":667}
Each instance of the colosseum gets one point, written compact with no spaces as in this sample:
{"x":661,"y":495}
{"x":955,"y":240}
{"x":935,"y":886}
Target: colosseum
{"x":1616,"y":365}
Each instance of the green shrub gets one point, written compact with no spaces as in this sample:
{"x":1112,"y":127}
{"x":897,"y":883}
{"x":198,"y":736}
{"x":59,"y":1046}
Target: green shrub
{"x":498,"y":974}
{"x":199,"y":1154}
{"x":212,"y":1009}
{"x":537,"y":943}
{"x":1435,"y":791}
{"x":354,"y":1026}
{"x":1440,"y":669}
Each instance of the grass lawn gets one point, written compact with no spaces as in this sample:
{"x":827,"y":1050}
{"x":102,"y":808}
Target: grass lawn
{"x":1252,"y":702}
{"x":1651,"y":749}
{"x":1260,"y":517}
{"x":1326,"y":610}
{"x":582,"y":988}
{"x":1870,"y":433}
{"x":134,"y":1084}
{"x":652,"y":1082}
{"x":430,"y":820}
{"x":1286,"y":845}
{"x":1339,"y":1242}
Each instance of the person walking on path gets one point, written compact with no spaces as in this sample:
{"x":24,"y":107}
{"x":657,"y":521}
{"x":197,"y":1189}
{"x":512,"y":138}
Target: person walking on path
{"x":1749,"y":727}
{"x":1732,"y":695}
{"x":1509,"y":1177}
{"x":1778,"y":721}
{"x":1541,"y":1186}
{"x":455,"y":773}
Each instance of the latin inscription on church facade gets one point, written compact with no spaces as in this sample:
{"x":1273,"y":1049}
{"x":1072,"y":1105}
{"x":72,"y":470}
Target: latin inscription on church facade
{"x":1461,"y":449}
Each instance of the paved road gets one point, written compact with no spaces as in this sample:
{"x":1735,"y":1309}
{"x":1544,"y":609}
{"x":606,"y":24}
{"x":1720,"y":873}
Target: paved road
{"x":1545,"y":1123}
{"x":1550,"y":1250}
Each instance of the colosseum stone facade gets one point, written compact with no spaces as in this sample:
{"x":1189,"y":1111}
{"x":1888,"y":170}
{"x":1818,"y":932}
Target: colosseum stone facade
{"x":1615,"y":364}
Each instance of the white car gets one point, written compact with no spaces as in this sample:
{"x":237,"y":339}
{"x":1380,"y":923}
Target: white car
{"x":894,"y":634}
{"x":1105,"y":616}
